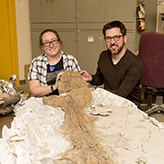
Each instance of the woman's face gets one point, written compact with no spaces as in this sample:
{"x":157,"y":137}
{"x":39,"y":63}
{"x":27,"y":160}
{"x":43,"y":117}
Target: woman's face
{"x":51,"y":45}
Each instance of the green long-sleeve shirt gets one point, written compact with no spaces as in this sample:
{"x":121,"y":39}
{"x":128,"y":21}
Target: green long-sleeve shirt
{"x":123,"y":78}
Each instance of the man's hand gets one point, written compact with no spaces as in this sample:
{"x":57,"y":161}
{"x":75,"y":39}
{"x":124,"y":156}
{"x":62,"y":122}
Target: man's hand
{"x":85,"y":76}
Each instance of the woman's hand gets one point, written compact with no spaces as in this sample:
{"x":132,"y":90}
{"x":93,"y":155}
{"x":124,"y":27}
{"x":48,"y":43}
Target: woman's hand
{"x":57,"y":80}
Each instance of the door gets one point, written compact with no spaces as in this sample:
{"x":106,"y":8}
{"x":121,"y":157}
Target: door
{"x":64,"y":11}
{"x":68,"y":38}
{"x":36,"y":49}
{"x":120,"y":10}
{"x":48,"y":11}
{"x":90,"y":11}
{"x":40,"y":10}
{"x":90,"y":45}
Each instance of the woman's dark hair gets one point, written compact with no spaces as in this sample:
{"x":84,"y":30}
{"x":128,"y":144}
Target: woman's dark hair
{"x":48,"y":30}
{"x":114,"y":24}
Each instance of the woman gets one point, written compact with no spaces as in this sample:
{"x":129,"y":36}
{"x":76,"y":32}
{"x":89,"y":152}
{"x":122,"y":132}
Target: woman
{"x":46,"y":69}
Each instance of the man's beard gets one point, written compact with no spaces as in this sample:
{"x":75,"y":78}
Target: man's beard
{"x":118,"y":51}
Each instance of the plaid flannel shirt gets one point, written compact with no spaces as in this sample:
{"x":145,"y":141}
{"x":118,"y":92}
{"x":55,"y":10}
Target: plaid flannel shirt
{"x":38,"y":67}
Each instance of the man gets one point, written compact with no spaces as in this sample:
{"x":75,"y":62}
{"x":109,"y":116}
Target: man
{"x":118,"y":68}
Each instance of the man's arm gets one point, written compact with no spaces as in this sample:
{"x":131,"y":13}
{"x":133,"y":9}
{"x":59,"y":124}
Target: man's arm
{"x":131,"y":79}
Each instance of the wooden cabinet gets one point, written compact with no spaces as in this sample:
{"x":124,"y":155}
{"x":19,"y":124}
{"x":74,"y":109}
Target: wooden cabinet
{"x":79,"y":24}
{"x":90,"y":11}
{"x":48,"y":11}
{"x":53,"y":14}
{"x":64,"y":11}
{"x":90,"y":45}
{"x":91,"y":17}
{"x":68,"y":38}
{"x":120,"y":10}
{"x":40,"y":11}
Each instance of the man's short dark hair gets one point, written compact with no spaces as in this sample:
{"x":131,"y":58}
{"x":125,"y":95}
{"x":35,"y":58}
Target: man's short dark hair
{"x":114,"y":24}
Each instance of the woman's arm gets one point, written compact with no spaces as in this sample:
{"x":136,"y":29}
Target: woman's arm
{"x":39,"y":91}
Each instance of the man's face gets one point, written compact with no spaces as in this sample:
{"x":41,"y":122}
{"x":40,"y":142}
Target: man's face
{"x":115,"y":41}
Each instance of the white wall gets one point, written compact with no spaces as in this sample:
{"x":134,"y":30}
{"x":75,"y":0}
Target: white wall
{"x":23,"y":35}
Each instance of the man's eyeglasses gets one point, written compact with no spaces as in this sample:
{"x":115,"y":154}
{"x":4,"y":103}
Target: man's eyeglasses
{"x":54,"y":42}
{"x":115,"y":38}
